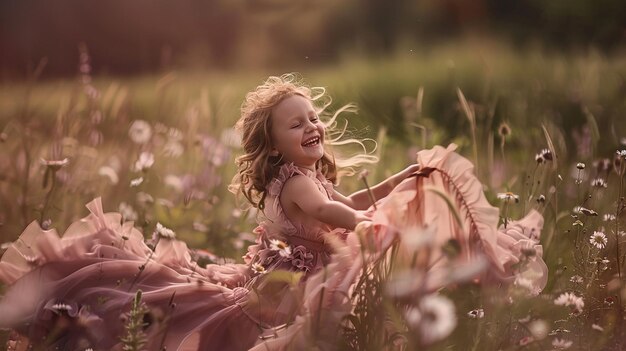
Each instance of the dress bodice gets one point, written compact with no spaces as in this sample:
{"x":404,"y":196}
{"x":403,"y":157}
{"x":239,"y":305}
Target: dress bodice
{"x":305,"y":247}
{"x":275,"y":218}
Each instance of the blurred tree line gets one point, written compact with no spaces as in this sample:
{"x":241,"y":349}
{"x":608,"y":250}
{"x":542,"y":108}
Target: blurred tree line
{"x":140,"y":36}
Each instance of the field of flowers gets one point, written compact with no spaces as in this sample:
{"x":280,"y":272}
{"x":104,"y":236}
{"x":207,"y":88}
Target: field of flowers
{"x":545,"y":132}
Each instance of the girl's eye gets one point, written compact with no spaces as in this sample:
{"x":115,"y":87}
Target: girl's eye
{"x":295,"y":126}
{"x":314,"y":119}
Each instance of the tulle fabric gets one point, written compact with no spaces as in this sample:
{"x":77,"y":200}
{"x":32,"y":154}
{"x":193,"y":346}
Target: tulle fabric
{"x":80,"y":286}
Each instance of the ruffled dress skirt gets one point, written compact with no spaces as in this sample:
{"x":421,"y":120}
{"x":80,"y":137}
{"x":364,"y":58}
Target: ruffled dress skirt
{"x":76,"y":292}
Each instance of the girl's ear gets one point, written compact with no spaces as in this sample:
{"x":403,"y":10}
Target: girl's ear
{"x":274,"y":152}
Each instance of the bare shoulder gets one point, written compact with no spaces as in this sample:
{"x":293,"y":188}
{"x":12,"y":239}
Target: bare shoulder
{"x":299,"y":188}
{"x":299,"y":184}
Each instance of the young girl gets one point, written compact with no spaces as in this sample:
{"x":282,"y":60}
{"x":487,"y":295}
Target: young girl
{"x":75,"y":292}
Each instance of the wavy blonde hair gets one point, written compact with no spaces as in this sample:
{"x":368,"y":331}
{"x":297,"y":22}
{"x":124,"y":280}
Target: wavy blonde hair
{"x":256,"y":167}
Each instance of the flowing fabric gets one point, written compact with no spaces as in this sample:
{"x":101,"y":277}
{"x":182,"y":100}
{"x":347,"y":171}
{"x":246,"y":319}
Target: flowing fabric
{"x":292,"y":292}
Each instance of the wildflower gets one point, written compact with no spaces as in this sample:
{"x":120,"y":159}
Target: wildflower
{"x":598,"y":239}
{"x":278,"y":245}
{"x":561,"y":344}
{"x":608,"y":217}
{"x":136,"y":182}
{"x":580,"y":165}
{"x":585,"y":211}
{"x":576,"y":279}
{"x":570,"y":299}
{"x":524,"y":283}
{"x":609,"y":300}
{"x":144,"y":198}
{"x":127,"y":212}
{"x":438,"y":318}
{"x":173,"y":148}
{"x":602,"y":263}
{"x":258,"y":269}
{"x":164,"y":232}
{"x":597,"y":327}
{"x":174,"y":182}
{"x":541,"y":199}
{"x":621,"y":153}
{"x":599,"y":183}
{"x":55,"y":165}
{"x":559,"y":331}
{"x":506,"y":197}
{"x":538,"y":329}
{"x":504,"y":130}
{"x":543,"y":156}
{"x":145,"y":161}
{"x":109,"y":172}
{"x":412,"y":316}
{"x":140,"y":132}
{"x":61,"y":307}
{"x":476,"y":314}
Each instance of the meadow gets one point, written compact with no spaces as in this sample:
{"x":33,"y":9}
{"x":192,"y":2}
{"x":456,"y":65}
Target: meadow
{"x":546,"y":131}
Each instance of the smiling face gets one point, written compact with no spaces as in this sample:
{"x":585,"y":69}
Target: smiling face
{"x":297,"y":132}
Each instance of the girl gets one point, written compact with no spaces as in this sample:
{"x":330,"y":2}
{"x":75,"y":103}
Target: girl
{"x":76,"y":292}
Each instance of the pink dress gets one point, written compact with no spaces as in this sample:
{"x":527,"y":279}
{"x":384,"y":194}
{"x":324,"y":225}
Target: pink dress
{"x":74,"y":291}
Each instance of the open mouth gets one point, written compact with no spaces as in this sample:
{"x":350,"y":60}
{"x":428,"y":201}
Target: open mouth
{"x":314,"y":141}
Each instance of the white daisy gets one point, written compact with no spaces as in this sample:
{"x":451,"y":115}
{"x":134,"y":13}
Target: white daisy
{"x":599,"y":183}
{"x":576,"y":279}
{"x":164,"y":232}
{"x":608,"y":217}
{"x":140,"y":132}
{"x":561,"y":344}
{"x":144,"y":162}
{"x":136,"y":182}
{"x":61,"y":307}
{"x":524,"y":283}
{"x":280,"y":246}
{"x":258,"y":269}
{"x":109,"y":172}
{"x":127,"y":212}
{"x":569,"y":299}
{"x":438,"y":318}
{"x":508,"y":196}
{"x":597,"y":327}
{"x":598,"y":239}
{"x":538,"y":329}
{"x":476,"y":314}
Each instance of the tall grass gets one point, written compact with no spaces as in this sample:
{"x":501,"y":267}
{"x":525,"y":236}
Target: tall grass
{"x":66,"y":142}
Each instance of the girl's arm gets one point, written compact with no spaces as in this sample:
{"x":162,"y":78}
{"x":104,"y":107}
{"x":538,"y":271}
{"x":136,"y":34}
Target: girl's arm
{"x":360,"y":200}
{"x":304,"y":193}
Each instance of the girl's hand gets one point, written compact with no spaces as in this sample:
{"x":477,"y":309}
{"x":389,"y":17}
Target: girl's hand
{"x":403,"y":174}
{"x":409,"y":170}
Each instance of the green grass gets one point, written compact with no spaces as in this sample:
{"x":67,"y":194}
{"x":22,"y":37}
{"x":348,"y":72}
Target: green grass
{"x":579,"y":98}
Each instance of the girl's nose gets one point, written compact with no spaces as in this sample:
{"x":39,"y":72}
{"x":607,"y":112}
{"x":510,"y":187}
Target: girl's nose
{"x":310,"y":126}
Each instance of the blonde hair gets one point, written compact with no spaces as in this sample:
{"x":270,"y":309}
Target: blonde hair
{"x":256,"y":167}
